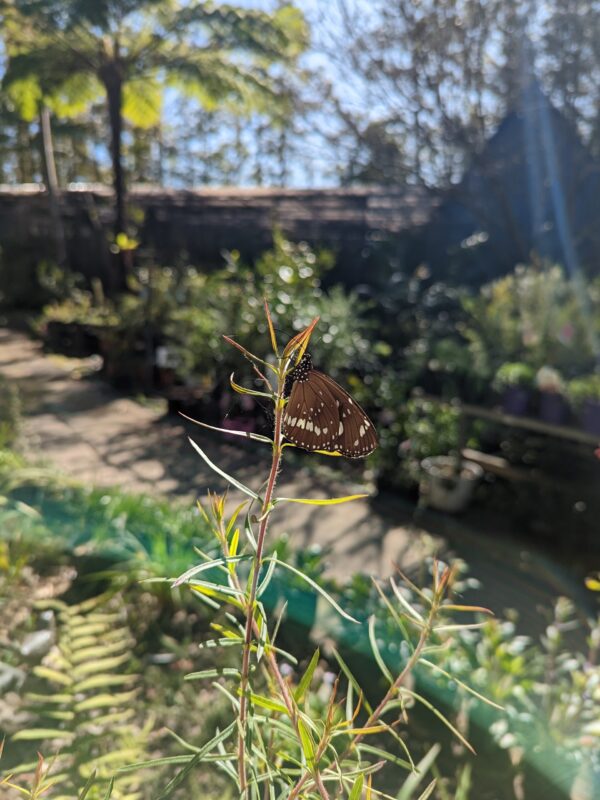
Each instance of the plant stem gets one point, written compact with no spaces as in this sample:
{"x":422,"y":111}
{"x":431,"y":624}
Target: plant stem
{"x":251,"y":601}
{"x":408,"y":668}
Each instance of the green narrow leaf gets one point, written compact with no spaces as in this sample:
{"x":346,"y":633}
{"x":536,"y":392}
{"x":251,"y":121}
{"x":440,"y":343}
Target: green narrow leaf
{"x":102,"y":665}
{"x":244,"y":390}
{"x":263,"y":633}
{"x":155,"y":762}
{"x":234,"y":517}
{"x":271,"y":327}
{"x":411,"y":610}
{"x":109,"y":789}
{"x":222,"y":473}
{"x":316,"y":587}
{"x":266,"y":702}
{"x":103,"y":682}
{"x":440,"y":716}
{"x":356,"y":792}
{"x":33,"y":734}
{"x":212,"y":673}
{"x":330,"y":501}
{"x":411,"y":784}
{"x":268,"y":575}
{"x":88,"y":785}
{"x":105,"y":700}
{"x":350,"y":703}
{"x":53,"y":675}
{"x":249,"y":533}
{"x":394,"y":614}
{"x":376,"y":652}
{"x":428,"y":791}
{"x":308,"y":746}
{"x":195,"y":760}
{"x":245,"y":434}
{"x":217,"y":562}
{"x":377,"y":751}
{"x":51,"y":698}
{"x":459,"y":627}
{"x":233,"y":546}
{"x":464,"y":686}
{"x":307,"y":677}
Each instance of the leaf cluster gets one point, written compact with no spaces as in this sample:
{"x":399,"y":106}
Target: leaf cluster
{"x":82,"y":701}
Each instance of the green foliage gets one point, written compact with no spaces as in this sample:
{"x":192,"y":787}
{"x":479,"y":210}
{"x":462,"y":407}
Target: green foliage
{"x":514,"y":374}
{"x":69,"y":53}
{"x":148,"y":533}
{"x":548,"y":690}
{"x":81,"y":702}
{"x":10,"y":413}
{"x":585,"y":388}
{"x":536,"y":316}
{"x":83,"y":307}
{"x":415,"y":429}
{"x":285,"y":738}
{"x":230,"y":301}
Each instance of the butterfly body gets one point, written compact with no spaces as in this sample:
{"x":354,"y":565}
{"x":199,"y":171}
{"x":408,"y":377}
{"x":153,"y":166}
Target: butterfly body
{"x":321,"y":415}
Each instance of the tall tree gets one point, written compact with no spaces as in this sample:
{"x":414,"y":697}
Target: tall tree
{"x":129,"y":50}
{"x":438,"y":75}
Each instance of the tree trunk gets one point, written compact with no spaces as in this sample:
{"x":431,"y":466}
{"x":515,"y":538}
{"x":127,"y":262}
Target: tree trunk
{"x":51,"y":181}
{"x":113,"y":82}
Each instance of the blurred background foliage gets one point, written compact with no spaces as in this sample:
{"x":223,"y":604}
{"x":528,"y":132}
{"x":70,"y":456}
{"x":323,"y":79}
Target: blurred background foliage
{"x":187,"y":94}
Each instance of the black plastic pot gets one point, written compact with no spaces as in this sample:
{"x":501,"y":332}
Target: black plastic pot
{"x":590,"y":417}
{"x":516,"y":400}
{"x":73,"y":339}
{"x":553,"y":408}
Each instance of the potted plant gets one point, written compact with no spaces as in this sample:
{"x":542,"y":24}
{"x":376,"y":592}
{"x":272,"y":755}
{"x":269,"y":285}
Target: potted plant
{"x":514,"y":381}
{"x":584,"y":393}
{"x":74,"y":326}
{"x":553,"y":407}
{"x":448,"y":482}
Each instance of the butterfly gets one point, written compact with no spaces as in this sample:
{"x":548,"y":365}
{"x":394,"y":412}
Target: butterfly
{"x":320,"y":415}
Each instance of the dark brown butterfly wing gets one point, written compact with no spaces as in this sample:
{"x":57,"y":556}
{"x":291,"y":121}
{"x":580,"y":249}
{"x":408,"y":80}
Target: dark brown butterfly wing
{"x":320,"y":415}
{"x":311,"y":420}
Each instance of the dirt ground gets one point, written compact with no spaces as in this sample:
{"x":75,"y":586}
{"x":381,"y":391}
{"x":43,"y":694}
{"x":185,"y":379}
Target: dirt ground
{"x":78,"y":423}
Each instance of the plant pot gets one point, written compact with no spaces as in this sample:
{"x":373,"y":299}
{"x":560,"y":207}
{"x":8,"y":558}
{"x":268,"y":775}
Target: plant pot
{"x":553,"y":408}
{"x":445,"y":489}
{"x":590,"y":417}
{"x":515,"y":401}
{"x":74,"y":339}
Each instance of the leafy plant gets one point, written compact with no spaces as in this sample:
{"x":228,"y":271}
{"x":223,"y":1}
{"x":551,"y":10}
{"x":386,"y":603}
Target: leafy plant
{"x":149,"y":534}
{"x":536,"y":316}
{"x":83,"y":307}
{"x":548,"y":379}
{"x":68,"y":54}
{"x":231,"y":300}
{"x":282,"y":741}
{"x":83,"y":706}
{"x":514,"y":373}
{"x":10,"y":413}
{"x":585,"y":388}
{"x":548,"y":691}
